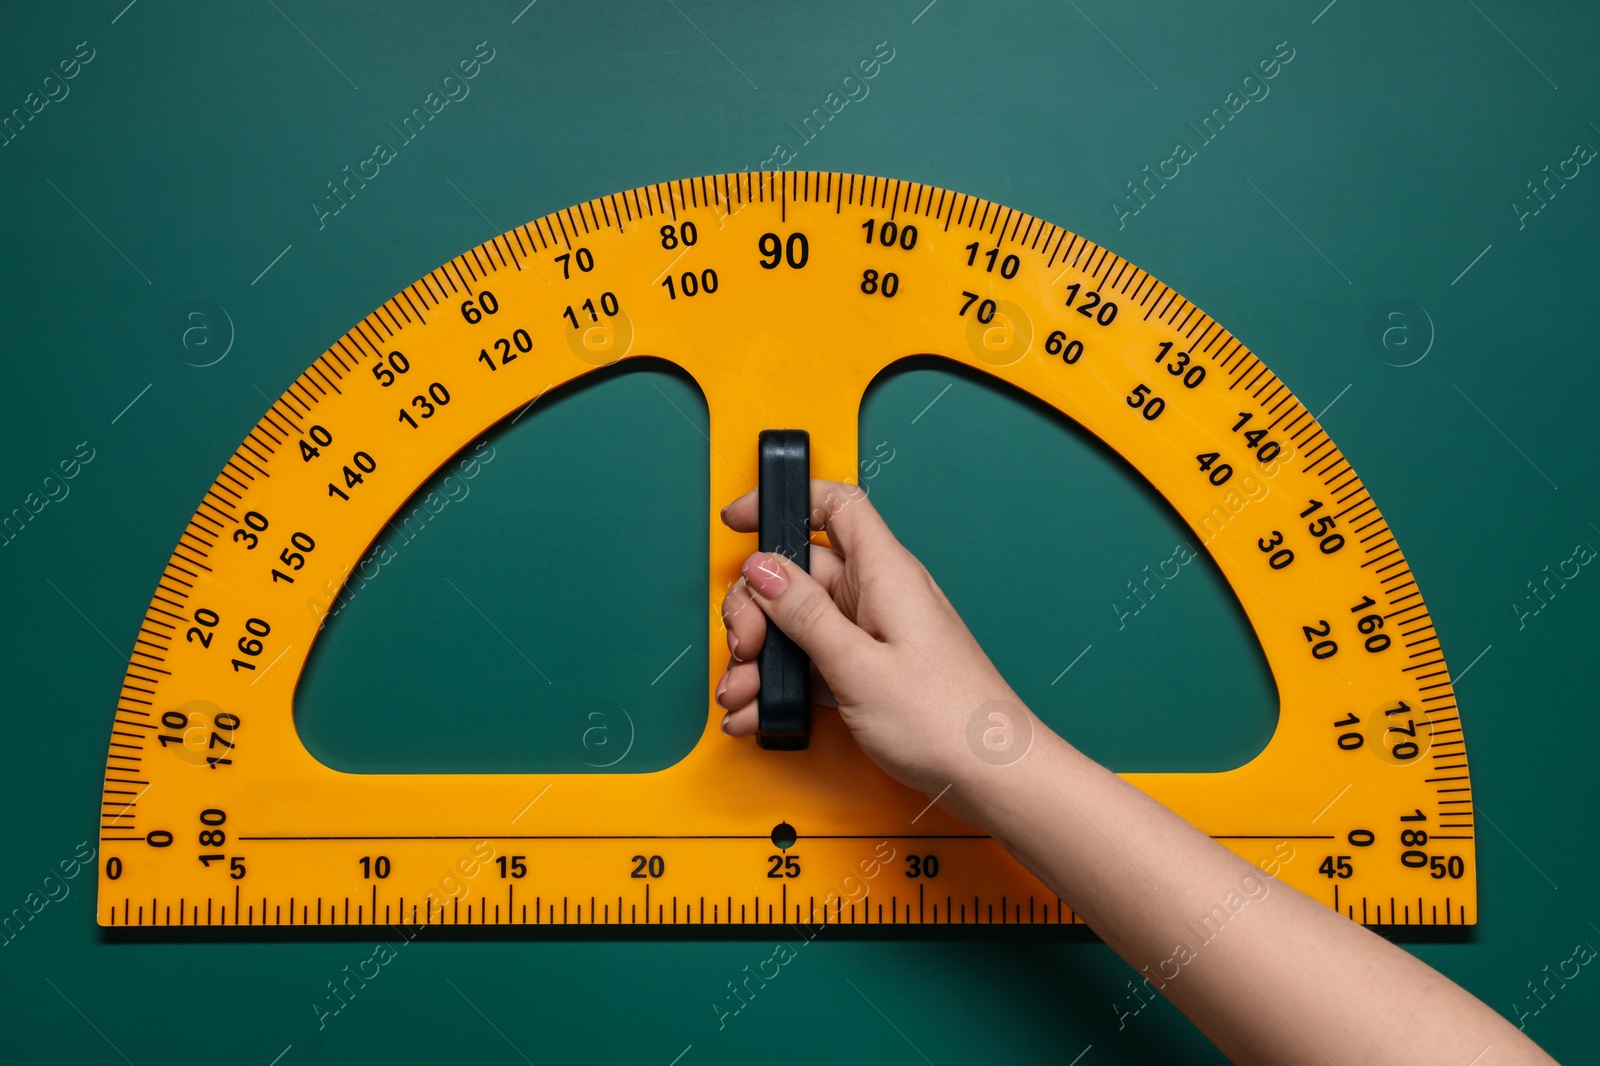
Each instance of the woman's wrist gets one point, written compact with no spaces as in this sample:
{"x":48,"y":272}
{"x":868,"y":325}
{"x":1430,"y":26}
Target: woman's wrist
{"x":1011,"y":766}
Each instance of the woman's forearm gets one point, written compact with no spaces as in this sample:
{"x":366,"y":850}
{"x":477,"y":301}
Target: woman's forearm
{"x":1267,"y":973}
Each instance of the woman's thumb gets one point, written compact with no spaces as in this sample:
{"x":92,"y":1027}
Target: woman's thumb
{"x":798,"y":605}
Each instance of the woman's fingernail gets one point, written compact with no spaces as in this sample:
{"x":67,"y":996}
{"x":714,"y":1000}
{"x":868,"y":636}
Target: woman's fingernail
{"x":722,"y":686}
{"x":725,"y":721}
{"x":764,"y":574}
{"x":733,"y":644}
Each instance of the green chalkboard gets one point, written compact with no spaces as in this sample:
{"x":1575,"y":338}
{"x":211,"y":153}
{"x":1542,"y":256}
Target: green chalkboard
{"x":1393,"y":204}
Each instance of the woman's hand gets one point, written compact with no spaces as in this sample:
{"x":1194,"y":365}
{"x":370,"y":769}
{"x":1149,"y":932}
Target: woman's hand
{"x":906,"y":673}
{"x":921,"y":698}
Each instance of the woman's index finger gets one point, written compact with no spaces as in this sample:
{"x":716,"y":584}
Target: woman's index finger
{"x":844,"y":511}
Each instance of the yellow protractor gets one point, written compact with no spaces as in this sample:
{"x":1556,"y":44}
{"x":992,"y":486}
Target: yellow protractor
{"x":783,"y":295}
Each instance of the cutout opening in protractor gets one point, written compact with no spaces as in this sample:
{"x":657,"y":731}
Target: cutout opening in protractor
{"x":1094,"y":599}
{"x":538,"y":605}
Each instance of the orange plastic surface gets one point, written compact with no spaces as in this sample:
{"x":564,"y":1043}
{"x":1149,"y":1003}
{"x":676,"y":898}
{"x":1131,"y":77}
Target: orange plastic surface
{"x":786,"y":345}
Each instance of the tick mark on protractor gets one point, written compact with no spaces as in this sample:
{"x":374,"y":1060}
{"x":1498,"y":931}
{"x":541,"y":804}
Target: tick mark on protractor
{"x":843,"y":275}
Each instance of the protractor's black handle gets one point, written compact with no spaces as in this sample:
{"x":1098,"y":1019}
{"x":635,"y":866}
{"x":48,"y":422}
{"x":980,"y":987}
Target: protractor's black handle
{"x":784,"y":703}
